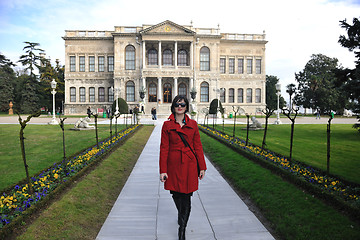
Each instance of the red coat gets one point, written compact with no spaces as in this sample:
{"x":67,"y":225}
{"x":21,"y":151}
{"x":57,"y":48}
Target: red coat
{"x":177,"y":160}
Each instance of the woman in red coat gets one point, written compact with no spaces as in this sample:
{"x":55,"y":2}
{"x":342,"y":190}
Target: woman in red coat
{"x":180,"y":169}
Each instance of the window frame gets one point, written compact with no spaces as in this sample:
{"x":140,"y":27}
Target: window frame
{"x":182,"y":55}
{"x":130,"y":91}
{"x":91,"y":63}
{"x":82,"y":94}
{"x":222,"y":65}
{"x":204,"y":92}
{"x":110,"y":95}
{"x":130,"y":57}
{"x":249,"y":66}
{"x":258,"y":66}
{"x":81,"y":63}
{"x":240,"y":95}
{"x":249,"y":95}
{"x":153,"y":57}
{"x":72,"y":63}
{"x":110,"y":63}
{"x":91,"y":94}
{"x":101,"y":63}
{"x":241,"y":65}
{"x":204,"y":59}
{"x":167,"y":57}
{"x":72,"y":94}
{"x":101,"y":94}
{"x":258,"y":95}
{"x":231,"y":95}
{"x":231,"y":65}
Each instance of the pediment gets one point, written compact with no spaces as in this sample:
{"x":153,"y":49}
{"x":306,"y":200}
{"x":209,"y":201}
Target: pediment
{"x":167,"y":27}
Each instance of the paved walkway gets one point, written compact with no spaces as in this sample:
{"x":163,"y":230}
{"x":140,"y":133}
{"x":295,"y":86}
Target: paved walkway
{"x":144,"y":210}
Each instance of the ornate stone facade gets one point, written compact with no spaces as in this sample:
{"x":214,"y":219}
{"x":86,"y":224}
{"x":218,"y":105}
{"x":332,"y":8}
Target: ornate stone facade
{"x":166,"y":59}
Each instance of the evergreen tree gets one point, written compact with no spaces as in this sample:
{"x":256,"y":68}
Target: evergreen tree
{"x":271,"y":97}
{"x":30,"y":59}
{"x":29,"y":102}
{"x":7,"y":78}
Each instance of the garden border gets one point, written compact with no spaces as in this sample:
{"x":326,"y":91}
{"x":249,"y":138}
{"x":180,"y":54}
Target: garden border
{"x":329,"y":198}
{"x":8,"y":229}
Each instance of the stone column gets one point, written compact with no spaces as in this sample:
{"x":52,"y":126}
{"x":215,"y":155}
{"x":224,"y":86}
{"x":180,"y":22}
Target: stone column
{"x":159,"y":97}
{"x":143,"y":54}
{"x":159,"y":54}
{"x":144,"y":82}
{"x":176,"y":52}
{"x":175,"y":86}
{"x":191,"y":83}
{"x":191,"y":56}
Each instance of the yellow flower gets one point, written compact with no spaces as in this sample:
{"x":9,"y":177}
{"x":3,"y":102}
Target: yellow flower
{"x":56,"y":175}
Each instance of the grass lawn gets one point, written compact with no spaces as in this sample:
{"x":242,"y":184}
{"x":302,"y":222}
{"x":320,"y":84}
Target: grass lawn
{"x":310,"y":144}
{"x":43,"y":147}
{"x":80,"y":212}
{"x":293,"y":214}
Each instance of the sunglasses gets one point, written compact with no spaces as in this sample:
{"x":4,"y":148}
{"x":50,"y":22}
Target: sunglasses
{"x":180,"y":105}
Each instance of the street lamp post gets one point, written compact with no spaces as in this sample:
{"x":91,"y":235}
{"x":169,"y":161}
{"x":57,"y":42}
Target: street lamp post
{"x":53,"y":86}
{"x":116,"y":93}
{"x":278,"y":90}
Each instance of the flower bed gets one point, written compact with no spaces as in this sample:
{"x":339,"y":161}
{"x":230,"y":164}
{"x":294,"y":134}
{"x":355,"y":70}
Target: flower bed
{"x":18,"y":202}
{"x":343,"y":194}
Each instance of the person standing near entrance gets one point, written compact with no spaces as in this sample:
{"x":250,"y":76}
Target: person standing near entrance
{"x":181,"y":160}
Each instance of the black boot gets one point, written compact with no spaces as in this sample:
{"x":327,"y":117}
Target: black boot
{"x":177,"y":201}
{"x":184,"y":215}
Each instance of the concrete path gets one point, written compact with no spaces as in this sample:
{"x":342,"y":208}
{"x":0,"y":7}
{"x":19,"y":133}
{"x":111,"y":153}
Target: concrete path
{"x":144,"y":210}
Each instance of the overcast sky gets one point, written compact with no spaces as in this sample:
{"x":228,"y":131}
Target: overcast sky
{"x":294,"y":29}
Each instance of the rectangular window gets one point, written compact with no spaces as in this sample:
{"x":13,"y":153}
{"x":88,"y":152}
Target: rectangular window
{"x":91,"y":64}
{"x":92,"y":94}
{"x":82,"y":94}
{"x":101,"y":66}
{"x":241,"y":66}
{"x":249,"y":66}
{"x":258,"y":66}
{"x":222,"y":65}
{"x":111,"y":63}
{"x":231,"y":65}
{"x":72,"y":64}
{"x":240,"y":95}
{"x":110,"y":94}
{"x":82,"y":63}
{"x":72,"y":94}
{"x":231,"y":95}
{"x":101,"y":92}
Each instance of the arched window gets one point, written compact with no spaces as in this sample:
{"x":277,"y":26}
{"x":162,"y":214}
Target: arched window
{"x":82,"y":94}
{"x":182,"y":89}
{"x":249,"y":95}
{"x":223,"y":95}
{"x":152,"y":92}
{"x":152,"y":57}
{"x":130,"y":57}
{"x":204,"y":59}
{"x":240,"y":95}
{"x":167,"y":57}
{"x":167,"y":93}
{"x":101,"y":93}
{"x":130,"y":91}
{"x":204,"y":92}
{"x":182,"y":58}
{"x":231,"y":95}
{"x":92,"y":94}
{"x":72,"y":94}
{"x":110,"y":95}
{"x":258,"y":95}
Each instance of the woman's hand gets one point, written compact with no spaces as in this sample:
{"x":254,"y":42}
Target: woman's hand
{"x":202,"y":174}
{"x":163,"y":177}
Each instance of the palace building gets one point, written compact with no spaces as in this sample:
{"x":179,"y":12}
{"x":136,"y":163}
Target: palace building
{"x":151,"y":64}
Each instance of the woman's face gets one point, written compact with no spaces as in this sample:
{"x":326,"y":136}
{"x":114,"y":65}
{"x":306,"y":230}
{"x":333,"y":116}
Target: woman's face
{"x":180,"y":107}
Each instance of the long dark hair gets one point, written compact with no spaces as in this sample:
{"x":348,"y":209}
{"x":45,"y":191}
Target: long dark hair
{"x":178,"y":98}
